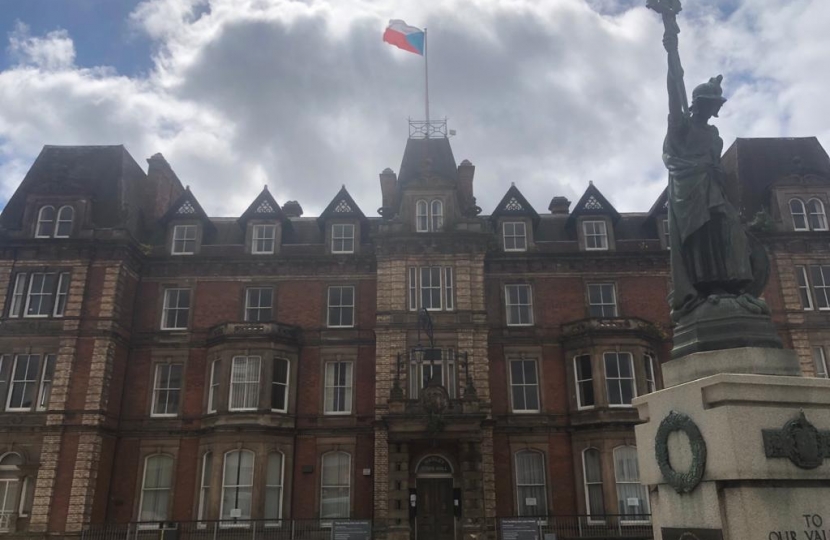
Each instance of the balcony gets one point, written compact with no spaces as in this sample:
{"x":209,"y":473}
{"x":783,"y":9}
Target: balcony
{"x":613,"y":326}
{"x":272,"y":331}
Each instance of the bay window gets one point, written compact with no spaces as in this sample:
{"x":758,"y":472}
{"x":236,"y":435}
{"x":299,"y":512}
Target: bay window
{"x":244,"y":391}
{"x":237,"y":485}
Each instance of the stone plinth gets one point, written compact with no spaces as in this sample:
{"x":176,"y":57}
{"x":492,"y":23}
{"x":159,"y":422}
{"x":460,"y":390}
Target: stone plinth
{"x":742,"y":492}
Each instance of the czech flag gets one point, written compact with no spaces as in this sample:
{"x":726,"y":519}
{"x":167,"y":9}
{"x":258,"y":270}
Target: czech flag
{"x":405,"y":37}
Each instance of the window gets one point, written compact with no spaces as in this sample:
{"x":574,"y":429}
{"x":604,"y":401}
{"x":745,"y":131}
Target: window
{"x":820,"y":361}
{"x":651,"y":381}
{"x":184,"y":240}
{"x":429,"y":217}
{"x":342,"y":238}
{"x":64,"y":224}
{"x":10,"y":491}
{"x":259,"y":304}
{"x":45,"y":222}
{"x":602,"y":300}
{"x":155,"y":488}
{"x":530,"y":483}
{"x":176,"y":309}
{"x":804,"y":287}
{"x":821,"y":286}
{"x":799,"y":215}
{"x":632,"y":500}
{"x":335,"y":485}
{"x":244,"y":383}
{"x":428,"y":363}
{"x":592,"y":476}
{"x":619,"y":378}
{"x":519,"y":303}
{"x":167,"y":389}
{"x":338,"y":388}
{"x":596,"y":236}
{"x":237,"y":485}
{"x":45,"y":382}
{"x":279,"y":385}
{"x":39,"y":294}
{"x":515,"y":236}
{"x":583,"y":373}
{"x":524,"y":385}
{"x":23,"y":382}
{"x":815,"y":215}
{"x":204,"y":488}
{"x":273,"y":486}
{"x":213,"y":391}
{"x":341,"y":307}
{"x":431,"y":287}
{"x":263,"y":239}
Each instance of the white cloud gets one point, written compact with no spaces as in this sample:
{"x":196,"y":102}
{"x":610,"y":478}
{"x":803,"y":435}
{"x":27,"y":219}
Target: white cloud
{"x":304,"y":95}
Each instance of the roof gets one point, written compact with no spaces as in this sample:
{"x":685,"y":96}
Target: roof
{"x":264,"y":206}
{"x":342,"y":205}
{"x":515,"y":204}
{"x":593,"y":203}
{"x":427,"y":155}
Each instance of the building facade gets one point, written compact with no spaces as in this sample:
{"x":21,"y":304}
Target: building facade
{"x":431,"y":369}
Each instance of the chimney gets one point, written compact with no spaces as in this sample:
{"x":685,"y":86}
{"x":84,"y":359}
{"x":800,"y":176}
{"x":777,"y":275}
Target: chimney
{"x":292,"y":209}
{"x":466,"y":171}
{"x":559,"y":205}
{"x":164,"y":186}
{"x":389,"y":192}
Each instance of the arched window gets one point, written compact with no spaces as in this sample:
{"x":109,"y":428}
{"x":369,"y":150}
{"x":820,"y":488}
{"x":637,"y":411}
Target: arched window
{"x":531,"y":490}
{"x":815,"y":214}
{"x":63,"y":226}
{"x":237,"y":485}
{"x":799,"y":215}
{"x":204,"y":488}
{"x":436,"y":215}
{"x":632,"y":499}
{"x":45,"y":222}
{"x":11,"y":494}
{"x":273,"y":486}
{"x":335,"y":485}
{"x":592,"y":476}
{"x":421,"y":216}
{"x":155,"y":488}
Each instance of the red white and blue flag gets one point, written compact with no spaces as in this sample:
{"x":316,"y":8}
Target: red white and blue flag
{"x":405,"y":37}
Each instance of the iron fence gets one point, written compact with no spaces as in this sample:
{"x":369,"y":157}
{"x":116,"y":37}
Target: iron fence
{"x":270,"y":529}
{"x":630,"y":526}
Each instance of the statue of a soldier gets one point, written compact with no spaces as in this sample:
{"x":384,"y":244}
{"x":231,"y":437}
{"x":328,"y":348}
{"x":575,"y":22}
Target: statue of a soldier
{"x":713,"y":258}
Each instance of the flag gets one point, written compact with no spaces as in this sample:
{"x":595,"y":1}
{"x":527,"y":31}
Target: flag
{"x":405,"y":37}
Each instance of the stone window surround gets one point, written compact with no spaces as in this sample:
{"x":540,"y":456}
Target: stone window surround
{"x":638,"y":349}
{"x":609,"y":232}
{"x":171,"y":227}
{"x":533,"y":443}
{"x":25,"y":476}
{"x":61,"y":273}
{"x":224,"y":354}
{"x":324,"y":446}
{"x":526,"y":353}
{"x":7,"y":367}
{"x":786,"y":194}
{"x":151,"y":448}
{"x":435,"y":222}
{"x":249,"y":236}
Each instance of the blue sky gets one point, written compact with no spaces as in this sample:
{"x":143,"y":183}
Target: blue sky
{"x":303,"y":95}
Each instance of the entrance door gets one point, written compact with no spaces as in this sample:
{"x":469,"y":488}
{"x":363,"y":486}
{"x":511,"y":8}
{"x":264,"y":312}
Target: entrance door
{"x":435,"y":519}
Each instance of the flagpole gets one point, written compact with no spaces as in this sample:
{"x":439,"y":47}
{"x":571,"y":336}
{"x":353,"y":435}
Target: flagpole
{"x":426,"y":79}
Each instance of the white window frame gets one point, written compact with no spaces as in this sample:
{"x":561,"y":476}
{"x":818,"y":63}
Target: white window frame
{"x":820,"y":363}
{"x":418,"y":368}
{"x":49,"y":295}
{"x":18,"y":300}
{"x":259,"y":308}
{"x":579,"y":382}
{"x":604,"y":302}
{"x":339,"y":234}
{"x":41,"y":220}
{"x":247,"y":387}
{"x":274,"y":520}
{"x":802,"y":212}
{"x":338,"y":486}
{"x":285,"y":384}
{"x":617,"y":482}
{"x":60,"y":219}
{"x":666,"y":233}
{"x":213,"y":389}
{"x":803,"y":282}
{"x":651,"y":376}
{"x":543,"y":508}
{"x":436,"y":215}
{"x":824,"y":287}
{"x":592,"y":516}
{"x":61,"y":295}
{"x":445,"y":287}
{"x":514,"y":235}
{"x":47,"y":375}
{"x":186,"y":230}
{"x":342,"y":307}
{"x":331,"y":391}
{"x":33,"y":383}
{"x":431,"y":288}
{"x":167,"y":307}
{"x":599,"y":236}
{"x":258,"y":234}
{"x":169,"y":459}
{"x":819,"y":214}
{"x":422,"y":216}
{"x":237,"y":487}
{"x":205,"y":484}
{"x":160,"y":386}
{"x":529,"y":305}
{"x":619,"y":379}
{"x":524,"y":386}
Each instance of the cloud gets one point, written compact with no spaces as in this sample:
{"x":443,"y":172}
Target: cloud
{"x":305,"y":97}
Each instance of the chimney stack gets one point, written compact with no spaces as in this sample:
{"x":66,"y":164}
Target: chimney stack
{"x":292,"y":209}
{"x":389,"y":192}
{"x":559,"y":205}
{"x":466,"y":172}
{"x":164,"y":186}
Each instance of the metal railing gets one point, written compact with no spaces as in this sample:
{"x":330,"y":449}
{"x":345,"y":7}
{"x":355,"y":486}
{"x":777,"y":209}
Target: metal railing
{"x":265,"y":529}
{"x":581,"y":526}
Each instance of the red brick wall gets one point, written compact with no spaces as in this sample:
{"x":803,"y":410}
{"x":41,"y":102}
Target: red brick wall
{"x":63,"y":482}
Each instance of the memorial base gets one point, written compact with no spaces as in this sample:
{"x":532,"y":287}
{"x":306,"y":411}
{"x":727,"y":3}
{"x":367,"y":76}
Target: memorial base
{"x":760,"y":445}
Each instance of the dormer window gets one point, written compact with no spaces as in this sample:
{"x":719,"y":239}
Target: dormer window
{"x":51,"y":224}
{"x":429,"y":217}
{"x":342,"y":238}
{"x":811,"y":218}
{"x":263,"y":239}
{"x":515,"y":236}
{"x":184,"y":240}
{"x":596,"y":235}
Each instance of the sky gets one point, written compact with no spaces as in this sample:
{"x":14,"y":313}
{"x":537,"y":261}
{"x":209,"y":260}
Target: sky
{"x":303,"y":96}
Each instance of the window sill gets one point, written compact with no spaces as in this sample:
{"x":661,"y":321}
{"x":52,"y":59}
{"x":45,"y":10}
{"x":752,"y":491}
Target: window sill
{"x":183,"y":253}
{"x":622,"y":406}
{"x":336,"y":327}
{"x":586,"y":408}
{"x":152,"y":415}
{"x":337,"y":413}
{"x":526,"y":411}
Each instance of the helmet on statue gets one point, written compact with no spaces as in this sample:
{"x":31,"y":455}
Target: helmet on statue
{"x":709,"y":91}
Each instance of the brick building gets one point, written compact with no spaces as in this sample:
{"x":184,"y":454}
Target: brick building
{"x":162,"y":365}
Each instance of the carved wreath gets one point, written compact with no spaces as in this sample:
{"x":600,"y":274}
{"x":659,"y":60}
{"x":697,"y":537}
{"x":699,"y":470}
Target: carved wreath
{"x":682,"y":482}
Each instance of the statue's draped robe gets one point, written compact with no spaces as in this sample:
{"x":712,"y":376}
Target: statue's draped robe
{"x":709,"y":247}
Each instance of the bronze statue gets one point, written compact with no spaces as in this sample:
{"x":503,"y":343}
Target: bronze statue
{"x":712,"y":255}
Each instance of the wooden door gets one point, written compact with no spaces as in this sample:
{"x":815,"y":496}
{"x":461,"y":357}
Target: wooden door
{"x":435,"y":519}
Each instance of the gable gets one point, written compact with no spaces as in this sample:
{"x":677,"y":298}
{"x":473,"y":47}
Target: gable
{"x":185,"y":207}
{"x":593,"y":203}
{"x":341,"y":206}
{"x":264,"y":206}
{"x":515,"y":204}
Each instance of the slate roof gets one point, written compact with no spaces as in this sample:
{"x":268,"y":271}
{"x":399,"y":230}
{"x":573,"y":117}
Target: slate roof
{"x":439,"y":153}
